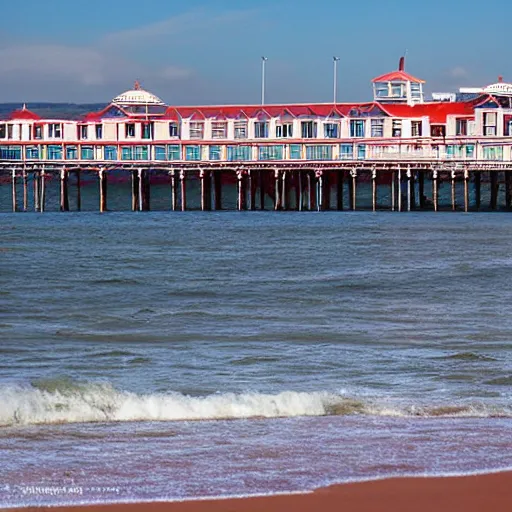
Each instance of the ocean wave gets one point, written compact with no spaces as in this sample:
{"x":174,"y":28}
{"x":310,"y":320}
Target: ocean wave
{"x":60,"y":401}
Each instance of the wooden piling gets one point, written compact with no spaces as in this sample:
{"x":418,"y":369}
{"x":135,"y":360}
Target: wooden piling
{"x":13,"y":184}
{"x":43,"y":190}
{"x":478,"y":189}
{"x":435,"y":190}
{"x":217,"y":181}
{"x":353,"y":173}
{"x":174,"y":191}
{"x":64,"y":199}
{"x":183,"y":187}
{"x":277,"y":194}
{"x":140,"y":189}
{"x":508,"y":190}
{"x":204,"y":177}
{"x":103,"y":190}
{"x":399,"y":188}
{"x":135,"y":190}
{"x":493,"y":178}
{"x":37,"y":190}
{"x":339,"y":190}
{"x":374,"y":189}
{"x":78,"y":190}
{"x":319,"y":180}
{"x":285,"y":190}
{"x":240,"y":188}
{"x":393,"y":191}
{"x":454,"y":200}
{"x":466,"y":190}
{"x":410,"y":190}
{"x":421,"y":188}
{"x":25,"y":190}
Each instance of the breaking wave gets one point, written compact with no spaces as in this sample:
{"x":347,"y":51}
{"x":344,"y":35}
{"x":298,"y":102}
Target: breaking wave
{"x":64,"y":401}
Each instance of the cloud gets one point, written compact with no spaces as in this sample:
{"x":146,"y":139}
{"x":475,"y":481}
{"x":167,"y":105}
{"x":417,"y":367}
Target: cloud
{"x":458,"y":72}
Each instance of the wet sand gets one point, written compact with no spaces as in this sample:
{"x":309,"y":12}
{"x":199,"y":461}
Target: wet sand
{"x":492,"y":492}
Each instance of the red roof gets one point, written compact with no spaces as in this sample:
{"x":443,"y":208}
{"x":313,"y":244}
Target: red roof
{"x":437,"y":112}
{"x":23,"y":114}
{"x":400,"y":76}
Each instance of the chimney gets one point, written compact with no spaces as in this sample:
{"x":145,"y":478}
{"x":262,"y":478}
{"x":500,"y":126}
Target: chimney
{"x":500,"y":79}
{"x":401,"y":65}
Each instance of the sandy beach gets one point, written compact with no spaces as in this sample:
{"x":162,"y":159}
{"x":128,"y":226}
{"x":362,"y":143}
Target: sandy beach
{"x":492,"y":492}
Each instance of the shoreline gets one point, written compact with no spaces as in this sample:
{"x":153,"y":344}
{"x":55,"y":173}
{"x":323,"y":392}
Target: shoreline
{"x":471,"y":493}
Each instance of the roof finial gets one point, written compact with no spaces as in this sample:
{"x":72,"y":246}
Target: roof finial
{"x":24,"y":106}
{"x":401,"y":64}
{"x":137,"y":86}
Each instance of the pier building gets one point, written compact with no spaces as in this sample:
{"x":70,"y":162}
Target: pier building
{"x":397,"y":137}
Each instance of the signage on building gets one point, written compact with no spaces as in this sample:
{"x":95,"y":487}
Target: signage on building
{"x":499,"y":88}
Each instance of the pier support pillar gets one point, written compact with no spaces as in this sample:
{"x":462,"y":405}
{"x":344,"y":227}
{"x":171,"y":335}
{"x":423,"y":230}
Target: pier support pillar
{"x":78,"y":190}
{"x":285,"y":192}
{"x":326,"y":191}
{"x":298,"y":190}
{"x":339,"y":190}
{"x":25,"y":190}
{"x":103,"y":190}
{"x":217,"y":185}
{"x":454,"y":197}
{"x":261,"y":180}
{"x":466,"y":189}
{"x":146,"y":188}
{"x":319,"y":182}
{"x":43,"y":190}
{"x":399,"y":189}
{"x":277,"y":192}
{"x":393,"y":191}
{"x":374,"y":189}
{"x":13,"y":191}
{"x":410,"y":189}
{"x":508,"y":190}
{"x":174,"y":191}
{"x":435,"y":190}
{"x":241,"y":190}
{"x":421,"y":188}
{"x":140,"y":192}
{"x":478,"y":189}
{"x":183,"y":187}
{"x":135,"y":190}
{"x":353,"y":174}
{"x":64,"y":199}
{"x":251,"y":185}
{"x":37,"y":190}
{"x":206,"y":199}
{"x":310,"y":191}
{"x":493,"y":178}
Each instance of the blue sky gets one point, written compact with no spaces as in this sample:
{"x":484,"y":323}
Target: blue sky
{"x":204,"y":52}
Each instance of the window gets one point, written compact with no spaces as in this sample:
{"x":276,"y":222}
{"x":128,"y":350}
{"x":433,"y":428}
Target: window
{"x":174,"y":152}
{"x":32,"y":152}
{"x":381,"y":90}
{"x":9,"y":131}
{"x":193,"y":153}
{"x":240,"y":129}
{"x":219,"y":130}
{"x":82,"y":132}
{"x":126,"y":153}
{"x":493,"y":152}
{"x":270,"y":153}
{"x":461,"y":127}
{"x":415,"y":90}
{"x":55,"y":152}
{"x":10,"y":153}
{"x":490,"y":123}
{"x":284,"y":130}
{"x":38,"y":132}
{"x":160,"y":153}
{"x":319,"y":152}
{"x":261,"y":129}
{"x":331,"y":130}
{"x":141,"y":153}
{"x":129,"y":130}
{"x":377,"y":127}
{"x":215,"y":153}
{"x":71,"y":153}
{"x":347,"y":152}
{"x":449,"y":151}
{"x":110,"y":152}
{"x":470,"y":151}
{"x":87,"y":153}
{"x":147,"y":130}
{"x":357,"y":128}
{"x":308,"y":129}
{"x":3,"y":131}
{"x":416,"y":128}
{"x":295,"y":151}
{"x":98,"y":131}
{"x":438,"y":130}
{"x":396,"y":128}
{"x":239,"y":153}
{"x":174,"y":129}
{"x":397,"y":90}
{"x":197,"y":130}
{"x":54,"y":131}
{"x":361,"y":151}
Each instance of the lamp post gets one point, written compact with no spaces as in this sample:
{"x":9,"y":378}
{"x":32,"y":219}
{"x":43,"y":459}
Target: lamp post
{"x":263,"y":62}
{"x":335,"y":61}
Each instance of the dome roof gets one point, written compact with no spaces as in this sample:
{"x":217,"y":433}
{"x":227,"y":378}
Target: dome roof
{"x":137,"y":96}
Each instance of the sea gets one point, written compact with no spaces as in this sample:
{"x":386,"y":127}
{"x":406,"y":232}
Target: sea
{"x":182,"y":355}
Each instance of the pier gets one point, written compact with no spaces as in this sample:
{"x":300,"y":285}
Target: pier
{"x":322,"y":186}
